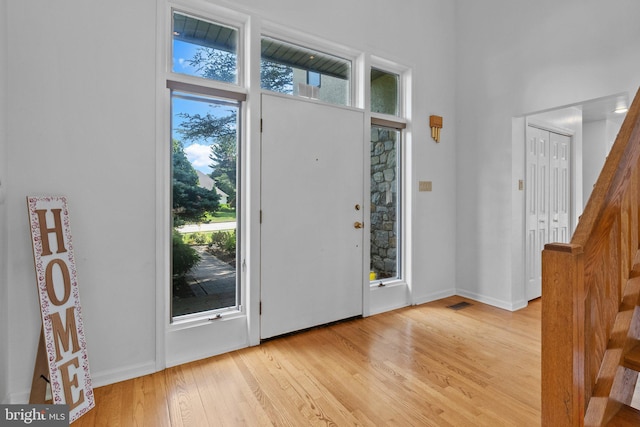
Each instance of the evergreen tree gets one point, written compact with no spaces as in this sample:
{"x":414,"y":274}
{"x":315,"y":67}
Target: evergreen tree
{"x":190,"y":201}
{"x":224,"y":166}
{"x":220,"y":132}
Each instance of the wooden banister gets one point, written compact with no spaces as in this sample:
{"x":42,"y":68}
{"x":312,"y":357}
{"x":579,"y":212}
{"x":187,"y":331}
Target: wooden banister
{"x":589,"y":292}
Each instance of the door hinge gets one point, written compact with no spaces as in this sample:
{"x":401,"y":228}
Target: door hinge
{"x":260,"y":125}
{"x":260,"y":216}
{"x":260,"y":308}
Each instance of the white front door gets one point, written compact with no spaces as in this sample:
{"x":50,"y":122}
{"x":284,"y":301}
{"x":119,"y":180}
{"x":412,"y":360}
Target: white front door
{"x":547,"y":199}
{"x":311,"y":199}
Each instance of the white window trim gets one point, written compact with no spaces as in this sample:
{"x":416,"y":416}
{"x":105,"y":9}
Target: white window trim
{"x":402,"y":73}
{"x":402,"y":122}
{"x":177,"y":341}
{"x":213,"y":14}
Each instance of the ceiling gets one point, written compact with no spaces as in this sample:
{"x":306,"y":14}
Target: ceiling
{"x":602,"y":108}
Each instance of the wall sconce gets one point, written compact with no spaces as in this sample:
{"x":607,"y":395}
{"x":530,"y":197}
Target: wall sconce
{"x":436,"y":124}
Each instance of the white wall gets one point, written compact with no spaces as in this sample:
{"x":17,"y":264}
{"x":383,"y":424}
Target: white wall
{"x":595,"y":151}
{"x":81,"y":123}
{"x":599,"y":136}
{"x":514,"y":59}
{"x":4,"y":300}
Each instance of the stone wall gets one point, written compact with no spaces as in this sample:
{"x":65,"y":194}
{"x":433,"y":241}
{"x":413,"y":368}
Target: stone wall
{"x":384,"y":202}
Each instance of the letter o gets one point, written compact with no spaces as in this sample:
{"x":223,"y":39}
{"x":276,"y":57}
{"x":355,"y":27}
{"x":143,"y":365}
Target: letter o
{"x":50,"y":285}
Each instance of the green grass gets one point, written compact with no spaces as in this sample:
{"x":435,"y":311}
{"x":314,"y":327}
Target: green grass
{"x":224,"y":214}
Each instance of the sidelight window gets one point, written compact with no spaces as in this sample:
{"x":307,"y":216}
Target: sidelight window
{"x":385,"y":203}
{"x":204,"y":183}
{"x":385,"y":177}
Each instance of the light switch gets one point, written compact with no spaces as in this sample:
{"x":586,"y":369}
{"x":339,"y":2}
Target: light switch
{"x":425,"y":186}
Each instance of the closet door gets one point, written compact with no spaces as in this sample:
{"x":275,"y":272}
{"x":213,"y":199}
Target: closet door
{"x":547,"y":199}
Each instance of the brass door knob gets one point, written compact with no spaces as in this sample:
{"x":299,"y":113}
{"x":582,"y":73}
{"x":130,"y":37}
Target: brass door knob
{"x":358,"y":224}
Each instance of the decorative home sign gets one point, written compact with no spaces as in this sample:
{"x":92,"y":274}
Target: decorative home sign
{"x":62,"y":353}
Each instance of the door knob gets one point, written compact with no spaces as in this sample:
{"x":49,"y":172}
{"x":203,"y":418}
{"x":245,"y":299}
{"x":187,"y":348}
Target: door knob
{"x":357,"y":207}
{"x":358,"y":224}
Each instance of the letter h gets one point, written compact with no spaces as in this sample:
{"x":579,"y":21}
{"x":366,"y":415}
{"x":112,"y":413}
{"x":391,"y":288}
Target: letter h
{"x":44,"y":231}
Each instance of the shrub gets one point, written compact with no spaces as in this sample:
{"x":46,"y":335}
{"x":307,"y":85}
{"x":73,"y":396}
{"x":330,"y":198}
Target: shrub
{"x":200,"y":238}
{"x":184,"y":256}
{"x":224,"y":241}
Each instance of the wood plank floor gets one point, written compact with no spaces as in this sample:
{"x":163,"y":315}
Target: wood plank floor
{"x":425,"y":365}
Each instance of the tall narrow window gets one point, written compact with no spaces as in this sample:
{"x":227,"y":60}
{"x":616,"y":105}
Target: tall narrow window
{"x":385,"y":206}
{"x":204,"y":155}
{"x":386,"y":177}
{"x":296,"y":70}
{"x":204,"y":49}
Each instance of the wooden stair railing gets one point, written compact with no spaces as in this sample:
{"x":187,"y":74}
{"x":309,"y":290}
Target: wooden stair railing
{"x":590,"y":298}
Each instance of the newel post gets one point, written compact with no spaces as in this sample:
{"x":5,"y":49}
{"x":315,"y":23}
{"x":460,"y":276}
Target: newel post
{"x":563,"y":343}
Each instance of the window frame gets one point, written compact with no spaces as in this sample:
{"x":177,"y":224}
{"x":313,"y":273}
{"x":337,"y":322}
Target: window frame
{"x":399,"y":123}
{"x":400,"y":229}
{"x":287,"y":35}
{"x":389,"y":120}
{"x":221,"y":98}
{"x":399,"y":103}
{"x":241,"y":83}
{"x":209,"y":88}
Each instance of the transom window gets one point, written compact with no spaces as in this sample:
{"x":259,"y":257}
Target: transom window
{"x":296,"y":70}
{"x":384,"y":92}
{"x":204,"y":49}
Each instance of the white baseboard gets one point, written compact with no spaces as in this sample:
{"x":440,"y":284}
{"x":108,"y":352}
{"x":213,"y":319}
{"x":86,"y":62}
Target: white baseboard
{"x":122,"y":374}
{"x":97,"y":380}
{"x":505,"y":305}
{"x":417,"y":300}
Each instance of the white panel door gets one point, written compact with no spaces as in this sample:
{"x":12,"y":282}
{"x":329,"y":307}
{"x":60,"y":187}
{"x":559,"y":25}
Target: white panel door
{"x":560,"y":188}
{"x":547,"y":200}
{"x":311,"y":198}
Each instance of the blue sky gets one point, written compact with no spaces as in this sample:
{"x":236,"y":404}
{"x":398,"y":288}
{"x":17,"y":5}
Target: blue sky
{"x":197,"y":152}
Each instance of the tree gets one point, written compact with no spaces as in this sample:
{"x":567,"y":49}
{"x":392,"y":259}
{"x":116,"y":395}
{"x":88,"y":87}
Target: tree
{"x":220,"y":131}
{"x":220,"y":65}
{"x":224,"y":166}
{"x":190,"y":201}
{"x":215,"y":64}
{"x":276,"y":77}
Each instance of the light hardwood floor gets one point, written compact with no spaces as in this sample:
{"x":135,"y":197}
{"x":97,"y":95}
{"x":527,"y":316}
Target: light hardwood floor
{"x":425,"y":365}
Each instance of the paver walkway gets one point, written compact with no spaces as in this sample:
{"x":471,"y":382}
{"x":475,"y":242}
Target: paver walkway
{"x":213,"y":283}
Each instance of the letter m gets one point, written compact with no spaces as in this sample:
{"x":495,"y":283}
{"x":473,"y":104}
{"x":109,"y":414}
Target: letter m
{"x":61,"y":333}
